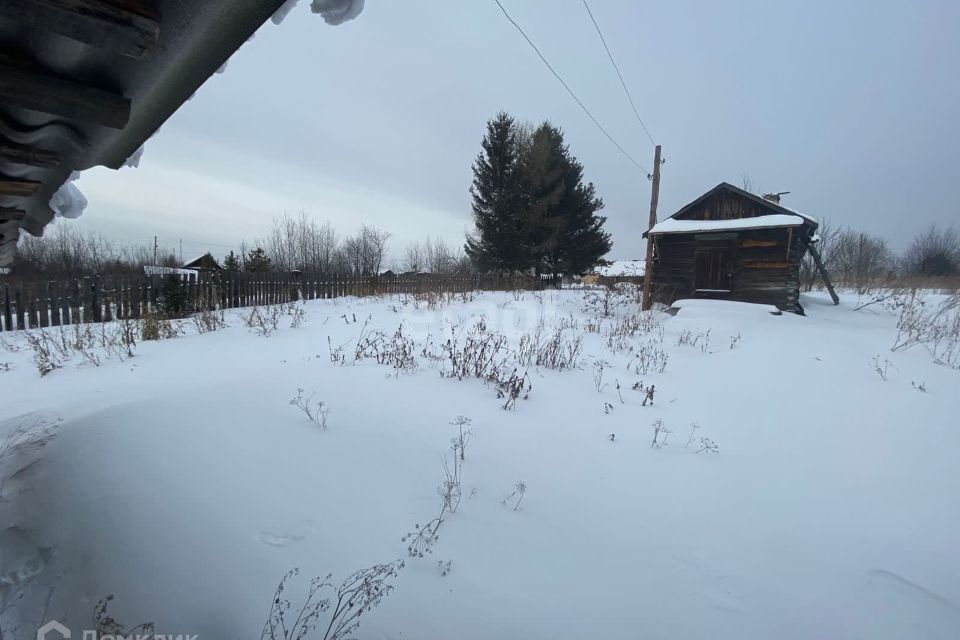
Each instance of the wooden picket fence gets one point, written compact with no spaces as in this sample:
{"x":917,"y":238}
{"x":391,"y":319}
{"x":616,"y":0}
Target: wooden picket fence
{"x":104,"y":298}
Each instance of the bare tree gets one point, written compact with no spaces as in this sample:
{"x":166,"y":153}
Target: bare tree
{"x":68,"y":252}
{"x":364,"y":252}
{"x":413,"y":259}
{"x":435,"y":256}
{"x":935,"y":252}
{"x":301,"y":243}
{"x":828,"y":244}
{"x":851,"y":258}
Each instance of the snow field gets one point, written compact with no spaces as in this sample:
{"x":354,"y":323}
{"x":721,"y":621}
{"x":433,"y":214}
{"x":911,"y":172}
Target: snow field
{"x":183,"y":481}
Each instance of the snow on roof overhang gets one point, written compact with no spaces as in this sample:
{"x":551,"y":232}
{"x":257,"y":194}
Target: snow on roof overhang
{"x":672,"y":225}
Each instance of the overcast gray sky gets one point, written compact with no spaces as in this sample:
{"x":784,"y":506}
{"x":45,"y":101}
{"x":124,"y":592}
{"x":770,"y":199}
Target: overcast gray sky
{"x":852,"y":105}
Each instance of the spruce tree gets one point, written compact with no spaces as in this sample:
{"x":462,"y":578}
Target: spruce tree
{"x":544,"y":174}
{"x":498,"y":243}
{"x":258,"y":261}
{"x":231,"y":262}
{"x":582,"y":241}
{"x":563,"y":232}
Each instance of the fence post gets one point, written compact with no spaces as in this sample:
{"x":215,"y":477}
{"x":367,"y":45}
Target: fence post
{"x":44,"y":300}
{"x":94,"y":311}
{"x":18,"y":301}
{"x":7,"y":311}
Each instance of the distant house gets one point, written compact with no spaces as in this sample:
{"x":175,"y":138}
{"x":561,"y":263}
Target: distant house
{"x":153,"y":270}
{"x":731,"y":244}
{"x":206,"y":262}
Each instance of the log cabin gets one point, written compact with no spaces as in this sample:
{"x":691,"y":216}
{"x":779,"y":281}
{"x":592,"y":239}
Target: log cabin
{"x":730,"y":244}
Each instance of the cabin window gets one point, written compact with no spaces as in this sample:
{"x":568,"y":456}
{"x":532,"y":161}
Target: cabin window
{"x":713,"y":270}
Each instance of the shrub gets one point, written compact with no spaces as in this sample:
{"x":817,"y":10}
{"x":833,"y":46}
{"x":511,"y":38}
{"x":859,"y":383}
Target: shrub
{"x":209,"y":320}
{"x":106,"y":625}
{"x":317,"y":413}
{"x":158,"y":326}
{"x":519,"y":490}
{"x":360,"y":593}
{"x":660,"y":435}
{"x":555,"y":351}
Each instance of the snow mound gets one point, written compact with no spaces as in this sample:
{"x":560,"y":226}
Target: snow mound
{"x":713,"y":307}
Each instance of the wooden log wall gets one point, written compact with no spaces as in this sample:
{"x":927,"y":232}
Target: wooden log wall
{"x":765,"y":266}
{"x":39,"y":304}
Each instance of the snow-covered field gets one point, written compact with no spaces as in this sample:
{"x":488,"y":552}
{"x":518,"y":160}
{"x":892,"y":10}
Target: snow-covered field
{"x":183,"y":481}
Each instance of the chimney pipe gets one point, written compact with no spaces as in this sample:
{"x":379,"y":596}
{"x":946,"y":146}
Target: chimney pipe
{"x":774,"y":197}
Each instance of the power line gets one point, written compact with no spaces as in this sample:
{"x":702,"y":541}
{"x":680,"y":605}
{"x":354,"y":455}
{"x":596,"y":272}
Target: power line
{"x":619,"y":75}
{"x":567,"y":87}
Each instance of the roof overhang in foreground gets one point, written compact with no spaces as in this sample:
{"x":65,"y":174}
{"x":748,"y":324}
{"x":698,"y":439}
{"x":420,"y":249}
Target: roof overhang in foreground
{"x":86,"y":82}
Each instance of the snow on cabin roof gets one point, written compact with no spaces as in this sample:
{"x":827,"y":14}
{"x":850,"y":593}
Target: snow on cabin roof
{"x":672,"y":225}
{"x":798,"y":213}
{"x":153,"y":270}
{"x":769,"y":204}
{"x":197,"y":259}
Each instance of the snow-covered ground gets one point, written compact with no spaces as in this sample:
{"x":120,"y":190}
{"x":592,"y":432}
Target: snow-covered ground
{"x":183,"y":481}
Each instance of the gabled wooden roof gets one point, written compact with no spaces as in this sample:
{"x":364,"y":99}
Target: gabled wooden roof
{"x":768,"y":207}
{"x":773,"y":207}
{"x":86,"y":82}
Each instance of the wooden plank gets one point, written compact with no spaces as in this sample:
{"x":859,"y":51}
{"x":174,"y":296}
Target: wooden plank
{"x":7,"y":309}
{"x":123,"y":302}
{"x":76,"y":302}
{"x":26,"y":85}
{"x":33,"y":312}
{"x":108,"y":302}
{"x":90,"y":302}
{"x":120,"y":26}
{"x":53,"y":290}
{"x":17,"y":187}
{"x":746,"y":243}
{"x":43,"y":306}
{"x":763,"y":264}
{"x":63,"y":298}
{"x":823,"y":272}
{"x":25,"y":154}
{"x":11,"y":213}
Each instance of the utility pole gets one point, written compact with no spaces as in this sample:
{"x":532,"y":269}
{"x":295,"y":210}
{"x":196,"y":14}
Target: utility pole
{"x":181,"y":250}
{"x":654,"y":197}
{"x":154,"y":250}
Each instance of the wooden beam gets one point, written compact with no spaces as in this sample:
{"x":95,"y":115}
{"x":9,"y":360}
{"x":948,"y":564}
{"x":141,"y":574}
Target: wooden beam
{"x":124,"y":27}
{"x":760,"y":264}
{"x":823,"y":272}
{"x":758,"y":243}
{"x":648,"y":264}
{"x":9,"y":213}
{"x":18,"y":187}
{"x":24,"y":154}
{"x":25,"y":85}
